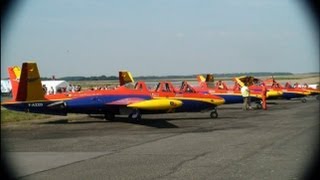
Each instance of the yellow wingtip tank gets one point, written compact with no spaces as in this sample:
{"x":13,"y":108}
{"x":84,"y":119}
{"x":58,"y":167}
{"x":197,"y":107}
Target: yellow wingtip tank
{"x":156,"y":104}
{"x":274,"y":93}
{"x":214,"y":101}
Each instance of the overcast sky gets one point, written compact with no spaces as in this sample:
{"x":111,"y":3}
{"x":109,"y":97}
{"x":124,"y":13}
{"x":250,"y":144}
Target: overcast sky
{"x":160,"y":37}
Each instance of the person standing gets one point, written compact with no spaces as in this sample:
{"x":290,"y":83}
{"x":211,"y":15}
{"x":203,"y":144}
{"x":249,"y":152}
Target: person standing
{"x":44,"y":88}
{"x":264,"y":97}
{"x":246,"y":97}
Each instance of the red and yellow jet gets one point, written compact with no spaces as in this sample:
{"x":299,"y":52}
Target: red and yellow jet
{"x":30,"y":97}
{"x":288,"y":92}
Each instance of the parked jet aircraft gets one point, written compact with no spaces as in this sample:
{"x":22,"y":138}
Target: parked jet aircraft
{"x":312,"y":88}
{"x":230,"y":95}
{"x":165,"y":89}
{"x":255,"y":86}
{"x":274,"y":87}
{"x":288,"y":92}
{"x":134,"y":102}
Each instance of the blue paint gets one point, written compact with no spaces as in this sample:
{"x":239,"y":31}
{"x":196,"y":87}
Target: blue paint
{"x":290,"y":95}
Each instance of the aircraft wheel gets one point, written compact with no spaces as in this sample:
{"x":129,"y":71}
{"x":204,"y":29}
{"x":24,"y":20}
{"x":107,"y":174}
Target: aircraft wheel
{"x":109,"y":116}
{"x":136,"y":116}
{"x":303,"y":100}
{"x":318,"y":97}
{"x":214,"y":114}
{"x":259,"y":106}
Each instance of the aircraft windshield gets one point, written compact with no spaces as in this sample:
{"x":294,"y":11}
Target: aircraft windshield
{"x":185,"y":87}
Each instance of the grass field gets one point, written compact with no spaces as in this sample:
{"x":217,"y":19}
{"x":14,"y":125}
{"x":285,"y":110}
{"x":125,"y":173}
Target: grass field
{"x":14,"y":116}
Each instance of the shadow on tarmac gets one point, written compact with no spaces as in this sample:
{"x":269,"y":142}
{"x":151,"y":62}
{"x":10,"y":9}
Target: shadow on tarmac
{"x":157,"y":123}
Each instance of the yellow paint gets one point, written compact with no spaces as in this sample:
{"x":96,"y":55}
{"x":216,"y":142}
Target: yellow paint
{"x":201,"y":78}
{"x":315,"y":91}
{"x":126,"y":77}
{"x":211,"y":101}
{"x":239,"y":81}
{"x":156,"y":104}
{"x":206,"y":100}
{"x":274,"y":93}
{"x":17,"y":71}
{"x":34,"y":87}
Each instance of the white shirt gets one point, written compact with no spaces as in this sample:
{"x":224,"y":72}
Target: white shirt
{"x":245,"y":91}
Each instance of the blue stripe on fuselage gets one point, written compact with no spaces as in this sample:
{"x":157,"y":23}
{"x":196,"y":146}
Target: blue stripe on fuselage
{"x":194,"y":106}
{"x":38,"y":107}
{"x":231,"y":98}
{"x":97,"y":104}
{"x":290,"y":95}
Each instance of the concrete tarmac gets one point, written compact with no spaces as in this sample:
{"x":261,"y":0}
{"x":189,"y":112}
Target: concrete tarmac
{"x":279,"y":143}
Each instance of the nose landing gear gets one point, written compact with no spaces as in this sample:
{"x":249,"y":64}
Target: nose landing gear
{"x":214,"y":113}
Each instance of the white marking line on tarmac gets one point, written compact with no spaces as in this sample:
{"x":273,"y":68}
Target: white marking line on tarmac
{"x":26,"y":163}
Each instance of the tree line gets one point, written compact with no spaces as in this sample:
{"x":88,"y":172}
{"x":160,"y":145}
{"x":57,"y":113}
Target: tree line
{"x":103,"y":77}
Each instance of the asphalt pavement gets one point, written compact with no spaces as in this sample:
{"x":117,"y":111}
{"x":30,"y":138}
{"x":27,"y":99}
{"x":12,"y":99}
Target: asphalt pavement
{"x":278,"y":143}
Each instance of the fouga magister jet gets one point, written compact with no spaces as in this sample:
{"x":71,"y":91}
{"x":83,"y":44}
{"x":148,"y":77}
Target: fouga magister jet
{"x":230,"y":95}
{"x":192,"y":100}
{"x":255,"y":85}
{"x":288,"y":92}
{"x":312,"y":88}
{"x":131,"y":101}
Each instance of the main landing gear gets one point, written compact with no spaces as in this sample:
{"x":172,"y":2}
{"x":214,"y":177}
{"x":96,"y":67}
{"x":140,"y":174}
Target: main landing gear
{"x":214,"y":113}
{"x":259,"y":104}
{"x":135,"y":115}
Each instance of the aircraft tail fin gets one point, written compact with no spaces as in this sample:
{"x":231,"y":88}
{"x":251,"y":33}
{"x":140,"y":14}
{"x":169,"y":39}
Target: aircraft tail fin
{"x":202,"y":82}
{"x":30,"y":87}
{"x":14,"y":76}
{"x":125,"y":77}
{"x":200,"y":78}
{"x":209,"y":78}
{"x":238,"y":81}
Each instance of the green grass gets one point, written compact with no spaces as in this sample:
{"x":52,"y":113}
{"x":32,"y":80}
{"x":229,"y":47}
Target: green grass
{"x":8,"y":116}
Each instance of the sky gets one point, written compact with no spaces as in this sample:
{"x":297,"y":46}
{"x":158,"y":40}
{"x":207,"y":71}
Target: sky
{"x":160,"y":37}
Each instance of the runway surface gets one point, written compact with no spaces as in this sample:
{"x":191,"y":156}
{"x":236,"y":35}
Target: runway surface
{"x":279,"y":143}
